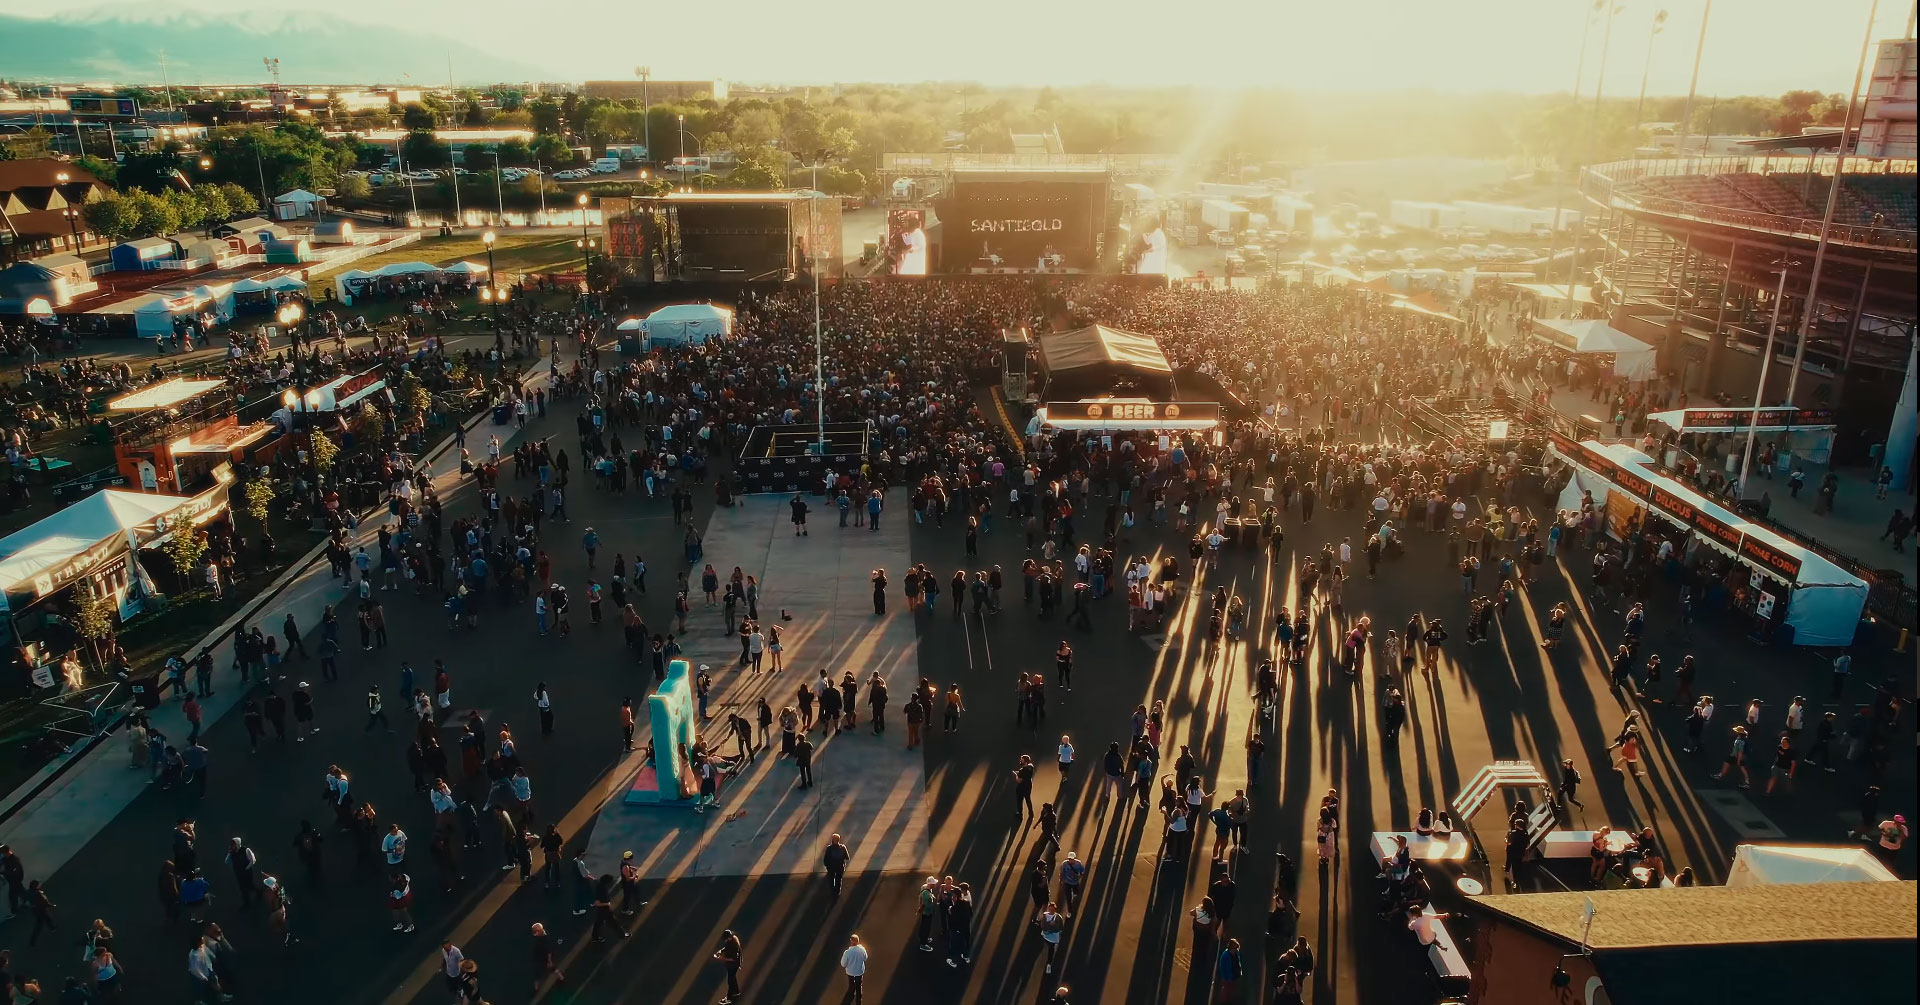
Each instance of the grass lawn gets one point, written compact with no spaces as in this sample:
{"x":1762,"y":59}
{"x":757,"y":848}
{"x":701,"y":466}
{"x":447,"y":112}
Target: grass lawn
{"x":544,"y":251}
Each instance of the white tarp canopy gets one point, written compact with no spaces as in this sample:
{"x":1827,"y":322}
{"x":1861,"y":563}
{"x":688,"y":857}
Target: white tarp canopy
{"x":405,"y":269}
{"x":1549,"y":291}
{"x":686,"y":324}
{"x":250,"y":286}
{"x":75,"y":530}
{"x":1760,"y":864}
{"x":1824,"y":602}
{"x":1737,"y":420}
{"x":1632,"y":358}
{"x":344,"y":392}
{"x":153,"y":313}
{"x":165,"y":394}
{"x":298,"y":197}
{"x":466,"y":269}
{"x":287,"y":283}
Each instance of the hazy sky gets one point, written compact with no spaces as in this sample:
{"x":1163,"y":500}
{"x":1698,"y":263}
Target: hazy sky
{"x":1753,"y":46}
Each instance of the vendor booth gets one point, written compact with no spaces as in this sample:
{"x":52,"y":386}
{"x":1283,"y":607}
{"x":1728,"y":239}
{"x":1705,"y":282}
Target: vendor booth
{"x":1632,"y":358}
{"x":201,"y":250}
{"x":333,"y":232}
{"x":149,"y":314}
{"x":286,"y":250}
{"x":246,"y":236}
{"x":297,"y":204}
{"x":341,"y":393}
{"x":143,"y":254}
{"x":1784,"y":585}
{"x":1804,"y":433}
{"x":681,"y":325}
{"x":1099,"y":361}
{"x":57,"y":279}
{"x":1764,"y":864}
{"x":465,"y":274}
{"x":95,"y":543}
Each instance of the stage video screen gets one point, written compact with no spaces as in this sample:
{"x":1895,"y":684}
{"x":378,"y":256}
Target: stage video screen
{"x":744,"y":242}
{"x":907,"y":241}
{"x":1023,"y":224}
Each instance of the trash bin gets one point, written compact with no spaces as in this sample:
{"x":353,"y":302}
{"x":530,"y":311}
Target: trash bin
{"x":146,"y":690}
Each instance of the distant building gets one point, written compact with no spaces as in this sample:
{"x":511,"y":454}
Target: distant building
{"x":39,"y":212}
{"x":1887,"y":129}
{"x":654,"y":90}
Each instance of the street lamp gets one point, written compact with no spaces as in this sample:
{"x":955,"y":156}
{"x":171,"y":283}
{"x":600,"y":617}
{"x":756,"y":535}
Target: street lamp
{"x":289,"y":315}
{"x":1783,"y":265}
{"x":646,"y":109}
{"x":500,"y":200}
{"x":486,"y":292}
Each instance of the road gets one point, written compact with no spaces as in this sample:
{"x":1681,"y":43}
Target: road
{"x":1130,"y":942}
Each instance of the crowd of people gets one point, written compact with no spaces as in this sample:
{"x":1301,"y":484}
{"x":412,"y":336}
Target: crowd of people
{"x":1327,"y":385}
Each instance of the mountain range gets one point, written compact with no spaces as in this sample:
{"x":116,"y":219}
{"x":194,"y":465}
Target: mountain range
{"x":202,"y":49}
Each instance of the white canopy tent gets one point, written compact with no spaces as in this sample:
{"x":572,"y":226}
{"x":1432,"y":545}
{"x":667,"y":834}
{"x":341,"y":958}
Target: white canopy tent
{"x":405,"y":269}
{"x":1762,"y":864}
{"x":250,"y":286}
{"x":466,"y":269}
{"x":287,"y":282}
{"x":297,"y":203}
{"x":1632,"y":358}
{"x":1801,"y":433}
{"x":686,"y":324}
{"x":32,"y":558}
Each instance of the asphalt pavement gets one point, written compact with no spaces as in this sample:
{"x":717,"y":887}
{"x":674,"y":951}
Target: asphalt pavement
{"x":1130,"y":942}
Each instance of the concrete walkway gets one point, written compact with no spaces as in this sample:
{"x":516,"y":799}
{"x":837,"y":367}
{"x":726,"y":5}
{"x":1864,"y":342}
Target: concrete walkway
{"x":868,"y":788}
{"x":59,"y":822}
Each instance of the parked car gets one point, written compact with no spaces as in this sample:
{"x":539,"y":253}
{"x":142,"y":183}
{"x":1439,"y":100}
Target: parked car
{"x":1223,"y":238}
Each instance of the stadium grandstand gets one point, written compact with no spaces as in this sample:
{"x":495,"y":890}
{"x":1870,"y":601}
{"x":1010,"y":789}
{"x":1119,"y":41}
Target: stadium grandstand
{"x":1690,"y":256}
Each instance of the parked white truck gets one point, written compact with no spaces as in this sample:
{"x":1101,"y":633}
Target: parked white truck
{"x":1219,"y":214}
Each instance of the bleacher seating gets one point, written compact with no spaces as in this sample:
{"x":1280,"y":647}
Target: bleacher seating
{"x":1890,"y":195}
{"x":1862,"y":198}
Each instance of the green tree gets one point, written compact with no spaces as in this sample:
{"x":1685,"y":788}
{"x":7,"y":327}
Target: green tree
{"x":93,"y":611}
{"x":323,"y":451}
{"x":754,"y":175}
{"x":187,"y":208}
{"x":514,"y":153}
{"x":105,"y":170}
{"x":546,"y":115}
{"x":353,"y":186}
{"x":213,"y":199}
{"x":240,"y":201}
{"x":184,"y":549}
{"x":417,"y":116}
{"x":414,"y":396}
{"x":152,"y":171}
{"x":259,"y":495}
{"x":422,"y":151}
{"x":35,"y":142}
{"x":113,"y":217}
{"x":552,"y":151}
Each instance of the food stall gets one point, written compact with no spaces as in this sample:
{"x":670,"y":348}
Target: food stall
{"x":1803,"y":433}
{"x":1786,"y":584}
{"x":96,"y":544}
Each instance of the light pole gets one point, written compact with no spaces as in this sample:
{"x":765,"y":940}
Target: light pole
{"x":819,"y":342}
{"x":499,"y":194}
{"x":1693,"y":88}
{"x":1833,"y":200}
{"x":646,"y":109}
{"x":1766,"y":360}
{"x":290,"y":315}
{"x":72,"y":215}
{"x":266,"y":202}
{"x":493,"y":293}
{"x":400,"y":161}
{"x":1659,"y":23}
{"x":540,"y":169}
{"x":681,"y":119}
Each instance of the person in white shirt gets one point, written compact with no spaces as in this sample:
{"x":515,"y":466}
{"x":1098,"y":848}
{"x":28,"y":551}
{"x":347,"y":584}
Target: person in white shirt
{"x":1066,"y":755}
{"x":394,"y":845}
{"x":854,"y":962}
